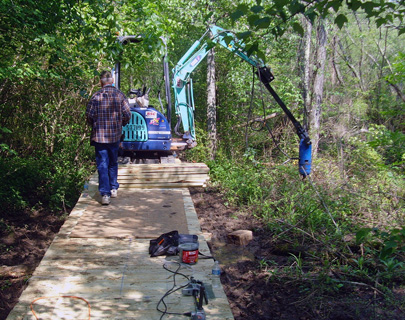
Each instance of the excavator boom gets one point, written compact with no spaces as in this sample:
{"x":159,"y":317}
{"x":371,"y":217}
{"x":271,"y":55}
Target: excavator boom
{"x":183,"y":88}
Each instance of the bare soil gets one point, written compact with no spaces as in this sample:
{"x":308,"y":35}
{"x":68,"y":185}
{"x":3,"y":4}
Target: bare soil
{"x":253,"y":291}
{"x":24,"y":239}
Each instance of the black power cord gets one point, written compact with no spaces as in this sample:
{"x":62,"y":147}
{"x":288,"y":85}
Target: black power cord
{"x":173,"y":290}
{"x":205,"y":256}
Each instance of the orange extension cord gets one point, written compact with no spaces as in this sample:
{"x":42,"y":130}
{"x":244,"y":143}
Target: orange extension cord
{"x":69,"y":297}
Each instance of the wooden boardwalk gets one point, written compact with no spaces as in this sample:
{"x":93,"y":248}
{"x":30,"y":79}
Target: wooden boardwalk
{"x":113,"y":277}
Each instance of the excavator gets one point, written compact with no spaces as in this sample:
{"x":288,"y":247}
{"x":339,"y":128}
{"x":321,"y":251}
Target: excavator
{"x":149,"y":129}
{"x":148,"y":133}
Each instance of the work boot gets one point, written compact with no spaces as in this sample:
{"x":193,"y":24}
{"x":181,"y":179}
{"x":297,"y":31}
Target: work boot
{"x":105,"y":200}
{"x":114,"y":193}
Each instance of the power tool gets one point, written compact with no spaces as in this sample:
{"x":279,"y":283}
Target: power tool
{"x":197,"y":289}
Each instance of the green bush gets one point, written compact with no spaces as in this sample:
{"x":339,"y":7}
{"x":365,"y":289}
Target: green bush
{"x":390,"y":144}
{"x":322,"y":212}
{"x":24,"y":181}
{"x":200,"y":153}
{"x":33,"y":182}
{"x":384,"y":252}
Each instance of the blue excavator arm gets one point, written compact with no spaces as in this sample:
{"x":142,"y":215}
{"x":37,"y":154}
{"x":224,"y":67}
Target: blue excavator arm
{"x":183,"y":88}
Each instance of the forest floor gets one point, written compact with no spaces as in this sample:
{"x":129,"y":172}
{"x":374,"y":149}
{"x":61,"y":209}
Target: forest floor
{"x":256,"y":290}
{"x":252,"y":292}
{"x":24,"y":239}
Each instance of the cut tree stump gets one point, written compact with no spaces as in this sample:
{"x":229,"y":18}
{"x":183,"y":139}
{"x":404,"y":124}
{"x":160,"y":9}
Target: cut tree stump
{"x":241,"y":237}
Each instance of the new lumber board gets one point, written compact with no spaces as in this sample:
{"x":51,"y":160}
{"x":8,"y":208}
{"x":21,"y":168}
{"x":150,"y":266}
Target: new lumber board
{"x":117,"y":277}
{"x":156,"y":177}
{"x":179,"y":184}
{"x":167,"y":175}
{"x":173,"y":167}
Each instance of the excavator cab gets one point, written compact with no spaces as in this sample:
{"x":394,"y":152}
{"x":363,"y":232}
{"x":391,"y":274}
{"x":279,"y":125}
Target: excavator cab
{"x":147,"y":137}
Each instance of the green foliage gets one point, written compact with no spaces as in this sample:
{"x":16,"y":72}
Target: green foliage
{"x":200,"y":153}
{"x":39,"y":181}
{"x":393,"y":244}
{"x":391,"y":145}
{"x":275,"y":15}
{"x":389,"y":244}
{"x":385,"y":248}
{"x":340,"y":20}
{"x":398,"y":75}
{"x":380,"y":150}
{"x":270,"y":193}
{"x":50,"y":53}
{"x":297,"y":213}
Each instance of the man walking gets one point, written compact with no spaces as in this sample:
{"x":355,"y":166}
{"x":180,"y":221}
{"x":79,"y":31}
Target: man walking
{"x":107,"y":111}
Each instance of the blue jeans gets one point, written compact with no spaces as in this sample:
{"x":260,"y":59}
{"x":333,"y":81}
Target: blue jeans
{"x":107,"y":166}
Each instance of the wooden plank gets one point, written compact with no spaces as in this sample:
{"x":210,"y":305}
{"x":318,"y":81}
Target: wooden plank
{"x":165,"y":177}
{"x":176,"y":164}
{"x":134,"y":213}
{"x":116,"y":277}
{"x":171,"y":175}
{"x":126,"y":172}
{"x":160,"y":174}
{"x":164,"y":185}
{"x":170,"y":184}
{"x":172,"y":167}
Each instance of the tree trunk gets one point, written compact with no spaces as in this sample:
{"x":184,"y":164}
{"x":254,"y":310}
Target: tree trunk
{"x":336,"y":76}
{"x":316,"y":107}
{"x":211,"y":105}
{"x":305,"y":65}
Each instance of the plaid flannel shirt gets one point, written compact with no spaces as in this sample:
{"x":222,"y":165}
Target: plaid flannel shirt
{"x":107,"y":111}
